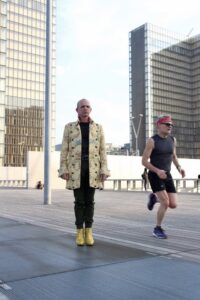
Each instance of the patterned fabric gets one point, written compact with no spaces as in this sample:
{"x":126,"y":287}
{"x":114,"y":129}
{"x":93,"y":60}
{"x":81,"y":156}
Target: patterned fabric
{"x":70,"y":157}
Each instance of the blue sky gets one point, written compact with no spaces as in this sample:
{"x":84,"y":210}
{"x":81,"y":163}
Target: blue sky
{"x":92,"y":55}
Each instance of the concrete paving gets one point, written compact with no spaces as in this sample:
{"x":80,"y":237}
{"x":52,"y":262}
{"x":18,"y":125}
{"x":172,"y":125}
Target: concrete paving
{"x":39,"y":258}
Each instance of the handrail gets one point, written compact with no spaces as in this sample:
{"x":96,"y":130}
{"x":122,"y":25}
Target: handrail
{"x":120,"y":184}
{"x":14,"y":183}
{"x":182,"y":184}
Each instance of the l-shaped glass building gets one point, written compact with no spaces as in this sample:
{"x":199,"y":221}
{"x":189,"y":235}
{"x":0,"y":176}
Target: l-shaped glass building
{"x":164,"y":78}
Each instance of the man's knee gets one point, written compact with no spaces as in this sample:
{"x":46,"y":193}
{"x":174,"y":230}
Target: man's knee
{"x":173,"y":200}
{"x":165,"y":204}
{"x":164,"y":201}
{"x":173,"y":205}
{"x":79,"y":202}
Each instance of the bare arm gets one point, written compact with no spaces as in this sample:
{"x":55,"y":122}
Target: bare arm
{"x":175,"y":161}
{"x":145,"y":159}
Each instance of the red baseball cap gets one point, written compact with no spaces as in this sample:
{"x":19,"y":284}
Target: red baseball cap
{"x":164,"y":119}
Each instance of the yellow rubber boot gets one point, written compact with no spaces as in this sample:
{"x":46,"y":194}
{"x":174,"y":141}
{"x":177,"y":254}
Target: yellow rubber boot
{"x":80,"y":238}
{"x":88,"y":237}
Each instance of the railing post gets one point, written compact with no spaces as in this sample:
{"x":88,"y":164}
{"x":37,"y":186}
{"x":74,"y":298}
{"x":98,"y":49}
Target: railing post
{"x":119,"y":185}
{"x":133,"y":184}
{"x":114,"y":184}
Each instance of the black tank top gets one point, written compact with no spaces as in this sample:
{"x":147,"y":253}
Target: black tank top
{"x":85,"y":138}
{"x":161,"y":156}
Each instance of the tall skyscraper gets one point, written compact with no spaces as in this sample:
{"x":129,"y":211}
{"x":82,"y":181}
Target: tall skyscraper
{"x":164,"y":78}
{"x":22,"y":78}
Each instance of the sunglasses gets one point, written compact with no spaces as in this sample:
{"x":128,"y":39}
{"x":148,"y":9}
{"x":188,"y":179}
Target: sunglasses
{"x":168,"y":124}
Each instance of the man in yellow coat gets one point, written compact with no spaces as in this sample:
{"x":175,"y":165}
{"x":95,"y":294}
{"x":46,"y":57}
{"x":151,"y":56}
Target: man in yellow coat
{"x":83,"y":164}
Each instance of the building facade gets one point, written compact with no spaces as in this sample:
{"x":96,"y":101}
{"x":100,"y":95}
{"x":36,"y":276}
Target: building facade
{"x":164,"y":78}
{"x":22,"y":78}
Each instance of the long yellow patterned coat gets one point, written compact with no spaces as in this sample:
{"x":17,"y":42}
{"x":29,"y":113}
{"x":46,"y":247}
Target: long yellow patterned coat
{"x":70,"y":157}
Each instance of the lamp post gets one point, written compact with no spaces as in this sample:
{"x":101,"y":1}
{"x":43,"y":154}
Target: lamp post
{"x":48,"y":74}
{"x":136,"y":133}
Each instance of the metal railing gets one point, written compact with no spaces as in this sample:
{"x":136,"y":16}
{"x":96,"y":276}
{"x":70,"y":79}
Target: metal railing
{"x":182,"y":185}
{"x":13,"y":183}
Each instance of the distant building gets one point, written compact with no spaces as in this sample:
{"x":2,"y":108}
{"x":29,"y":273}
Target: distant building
{"x":165,"y":79}
{"x":110,"y":149}
{"x":22,"y":78}
{"x":117,"y":150}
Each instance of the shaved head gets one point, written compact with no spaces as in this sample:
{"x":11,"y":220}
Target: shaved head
{"x":85,"y":101}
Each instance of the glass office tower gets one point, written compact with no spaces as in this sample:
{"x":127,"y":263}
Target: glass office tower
{"x":164,"y":78}
{"x":22,"y":78}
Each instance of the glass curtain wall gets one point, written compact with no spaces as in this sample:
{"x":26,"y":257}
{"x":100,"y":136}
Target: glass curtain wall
{"x":24,"y":83}
{"x":3,"y":12}
{"x":171,"y":84}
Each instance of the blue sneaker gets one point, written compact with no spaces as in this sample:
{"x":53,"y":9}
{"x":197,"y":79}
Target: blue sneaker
{"x":152,"y":201}
{"x":159,"y":233}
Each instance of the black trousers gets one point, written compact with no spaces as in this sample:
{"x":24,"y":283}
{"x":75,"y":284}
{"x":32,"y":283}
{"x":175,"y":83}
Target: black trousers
{"x":84,"y":199}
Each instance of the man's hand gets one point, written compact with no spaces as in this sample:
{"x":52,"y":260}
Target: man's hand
{"x":65,"y":176}
{"x":182,"y":172}
{"x":162,"y":174}
{"x":103,"y":177}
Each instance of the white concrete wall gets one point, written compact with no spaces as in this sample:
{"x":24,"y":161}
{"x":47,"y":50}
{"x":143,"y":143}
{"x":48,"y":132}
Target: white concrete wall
{"x":130,"y":167}
{"x":35,"y":169}
{"x":12,"y":173}
{"x":121,"y":167}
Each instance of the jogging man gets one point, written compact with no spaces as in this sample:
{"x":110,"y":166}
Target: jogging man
{"x":159,"y":153}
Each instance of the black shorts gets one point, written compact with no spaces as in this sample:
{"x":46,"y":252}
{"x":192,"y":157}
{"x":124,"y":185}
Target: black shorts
{"x":158,"y":184}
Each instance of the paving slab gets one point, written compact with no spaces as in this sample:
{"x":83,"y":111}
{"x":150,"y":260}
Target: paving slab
{"x":143,"y":279}
{"x":28,"y":251}
{"x":39,"y":259}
